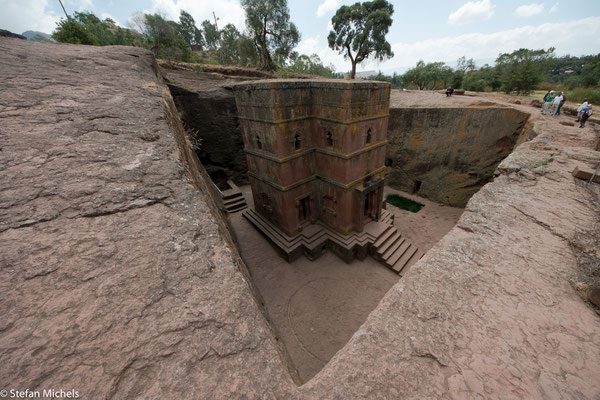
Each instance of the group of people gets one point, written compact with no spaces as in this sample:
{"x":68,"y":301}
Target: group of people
{"x":552,"y":104}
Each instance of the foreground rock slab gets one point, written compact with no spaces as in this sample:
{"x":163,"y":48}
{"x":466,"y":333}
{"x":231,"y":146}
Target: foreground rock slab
{"x":117,"y":278}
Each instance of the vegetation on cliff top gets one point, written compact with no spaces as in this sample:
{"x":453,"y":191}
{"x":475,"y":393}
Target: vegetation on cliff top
{"x":521,"y":72}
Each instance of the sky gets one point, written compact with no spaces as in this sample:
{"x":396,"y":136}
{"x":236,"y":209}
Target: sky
{"x":422,"y":30}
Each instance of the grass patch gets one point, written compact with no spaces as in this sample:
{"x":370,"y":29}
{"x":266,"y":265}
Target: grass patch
{"x":578,"y":94}
{"x":574,"y":96}
{"x":404,"y":203}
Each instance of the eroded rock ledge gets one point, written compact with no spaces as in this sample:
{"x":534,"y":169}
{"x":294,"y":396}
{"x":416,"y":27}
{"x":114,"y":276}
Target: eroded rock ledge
{"x":117,"y":277}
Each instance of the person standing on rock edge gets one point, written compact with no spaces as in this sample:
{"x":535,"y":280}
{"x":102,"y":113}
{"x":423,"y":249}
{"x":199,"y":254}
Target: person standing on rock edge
{"x":544,"y":100}
{"x":547,"y":102}
{"x":580,"y":108}
{"x":586,"y":113}
{"x":562,"y":102}
{"x":555,"y":104}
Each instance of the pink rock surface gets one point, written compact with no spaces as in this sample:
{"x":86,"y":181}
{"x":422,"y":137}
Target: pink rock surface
{"x":114,"y":278}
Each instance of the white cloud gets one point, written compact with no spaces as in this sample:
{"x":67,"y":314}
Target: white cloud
{"x":327,"y":6}
{"x":24,"y":15}
{"x":529,"y":10}
{"x":228,"y":11}
{"x":573,"y":39}
{"x":318,"y":45}
{"x":554,"y":8}
{"x":472,"y":11}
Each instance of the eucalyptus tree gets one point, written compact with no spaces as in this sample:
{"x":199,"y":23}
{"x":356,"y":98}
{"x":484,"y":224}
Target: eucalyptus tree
{"x":359,"y":31}
{"x":268,"y":25}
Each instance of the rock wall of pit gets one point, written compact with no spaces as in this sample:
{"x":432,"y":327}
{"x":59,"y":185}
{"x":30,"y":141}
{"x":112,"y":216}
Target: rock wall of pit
{"x":448,"y":154}
{"x":207,"y":108}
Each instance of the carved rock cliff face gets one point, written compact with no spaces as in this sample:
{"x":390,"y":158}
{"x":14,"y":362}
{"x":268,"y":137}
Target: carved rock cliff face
{"x":207,"y":108}
{"x":448,"y":154}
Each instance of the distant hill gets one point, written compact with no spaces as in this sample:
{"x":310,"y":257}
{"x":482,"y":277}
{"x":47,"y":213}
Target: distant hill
{"x":5,"y":33}
{"x":38,"y":36}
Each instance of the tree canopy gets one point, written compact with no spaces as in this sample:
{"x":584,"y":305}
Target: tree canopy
{"x":187,"y":28}
{"x":268,"y":24}
{"x":429,"y":76}
{"x":312,"y":65}
{"x":211,"y":35}
{"x":522,"y":70}
{"x":359,"y":31}
{"x":86,"y":28}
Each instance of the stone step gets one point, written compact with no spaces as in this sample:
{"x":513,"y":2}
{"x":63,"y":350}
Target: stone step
{"x":386,"y":234}
{"x":264,"y":227}
{"x":392,"y":249}
{"x":236,"y":208}
{"x":349,"y":240}
{"x":231,"y":202}
{"x":398,"y":253}
{"x":387,"y":217}
{"x":231,"y":194}
{"x":389,"y":242}
{"x":233,"y":198}
{"x":403,"y":261}
{"x":284,"y":242}
{"x":412,"y":261}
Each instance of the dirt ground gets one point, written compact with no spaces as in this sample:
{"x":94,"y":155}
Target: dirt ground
{"x":316,"y":306}
{"x":426,"y":227}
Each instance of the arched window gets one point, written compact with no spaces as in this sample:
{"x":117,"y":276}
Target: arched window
{"x":297,"y":141}
{"x":369,"y":136}
{"x":329,"y":139}
{"x":258,"y":143}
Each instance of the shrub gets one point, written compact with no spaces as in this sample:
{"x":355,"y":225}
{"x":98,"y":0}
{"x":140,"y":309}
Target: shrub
{"x":404,"y":203}
{"x":578,"y":94}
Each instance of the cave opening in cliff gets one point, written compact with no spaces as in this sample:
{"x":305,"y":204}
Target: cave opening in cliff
{"x":438,"y":157}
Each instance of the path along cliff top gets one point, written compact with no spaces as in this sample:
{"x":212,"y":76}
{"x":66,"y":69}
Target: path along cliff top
{"x":119,"y":278}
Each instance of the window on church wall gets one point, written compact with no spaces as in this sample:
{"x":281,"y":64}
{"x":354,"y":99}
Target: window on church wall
{"x":369,"y":136}
{"x":328,"y":202}
{"x":329,"y":139}
{"x":258,"y":143}
{"x":297,"y":144}
{"x":265,"y":199}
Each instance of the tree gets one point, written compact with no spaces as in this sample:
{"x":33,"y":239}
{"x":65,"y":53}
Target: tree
{"x":436,"y":75}
{"x":463,"y":68}
{"x":86,"y":28}
{"x":187,"y":28}
{"x":268,"y":24}
{"x":164,"y":38}
{"x":522,"y":70}
{"x":247,"y":52}
{"x":590,"y":72}
{"x":211,"y":35}
{"x":312,"y":65}
{"x":359,"y":31}
{"x":71,"y":31}
{"x":483,"y":79}
{"x":228,"y":52}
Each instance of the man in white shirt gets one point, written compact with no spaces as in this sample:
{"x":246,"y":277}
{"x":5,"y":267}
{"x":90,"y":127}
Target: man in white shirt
{"x":580,"y":109}
{"x":556,"y":104}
